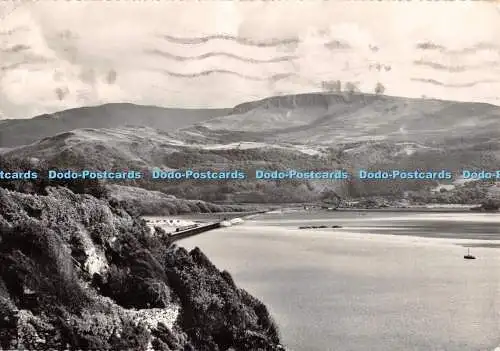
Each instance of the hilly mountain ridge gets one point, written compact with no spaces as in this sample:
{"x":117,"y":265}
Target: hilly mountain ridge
{"x":307,"y":131}
{"x":315,"y":118}
{"x":320,"y":118}
{"x":15,"y":132}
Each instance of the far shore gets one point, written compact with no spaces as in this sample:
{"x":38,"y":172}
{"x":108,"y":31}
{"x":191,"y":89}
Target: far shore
{"x":304,"y":207}
{"x":411,"y":209}
{"x":209,"y":215}
{"x":310,"y":207}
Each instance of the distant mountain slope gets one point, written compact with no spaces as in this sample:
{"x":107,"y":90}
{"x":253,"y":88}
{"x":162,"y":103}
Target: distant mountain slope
{"x":315,"y":118}
{"x":15,"y":132}
{"x":321,"y":118}
{"x":142,"y":148}
{"x":308,"y":131}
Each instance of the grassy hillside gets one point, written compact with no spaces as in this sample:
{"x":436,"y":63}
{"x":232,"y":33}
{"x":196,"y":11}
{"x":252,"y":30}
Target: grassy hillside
{"x":317,"y":118}
{"x":145,"y":148}
{"x":372,"y":130}
{"x":322,"y":118}
{"x":15,"y":132}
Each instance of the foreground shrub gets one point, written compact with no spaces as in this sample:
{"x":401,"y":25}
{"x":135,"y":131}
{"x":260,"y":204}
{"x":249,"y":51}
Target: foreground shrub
{"x":217,"y":315}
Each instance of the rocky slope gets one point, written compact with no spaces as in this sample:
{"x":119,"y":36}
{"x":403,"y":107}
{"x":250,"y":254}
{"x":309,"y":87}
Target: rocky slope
{"x":76,"y":273}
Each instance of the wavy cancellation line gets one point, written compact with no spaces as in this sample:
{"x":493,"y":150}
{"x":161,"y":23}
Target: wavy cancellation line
{"x":454,"y":69}
{"x":272,"y":78}
{"x":428,"y":45}
{"x":447,"y":85}
{"x":239,"y":40}
{"x":168,"y":55}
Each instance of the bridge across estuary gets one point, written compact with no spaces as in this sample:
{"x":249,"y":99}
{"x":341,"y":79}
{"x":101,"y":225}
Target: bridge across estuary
{"x":188,"y":231}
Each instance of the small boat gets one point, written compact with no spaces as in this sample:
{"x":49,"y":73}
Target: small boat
{"x":469,"y":256}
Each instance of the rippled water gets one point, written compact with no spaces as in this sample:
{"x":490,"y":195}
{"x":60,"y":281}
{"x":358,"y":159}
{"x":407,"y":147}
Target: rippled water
{"x":355,"y":289}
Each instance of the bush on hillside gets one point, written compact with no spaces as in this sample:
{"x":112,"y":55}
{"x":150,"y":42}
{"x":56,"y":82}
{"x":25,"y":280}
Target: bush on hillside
{"x":216,"y":315}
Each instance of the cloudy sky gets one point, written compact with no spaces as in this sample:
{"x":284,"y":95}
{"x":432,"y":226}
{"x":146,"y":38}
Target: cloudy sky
{"x":58,"y":55}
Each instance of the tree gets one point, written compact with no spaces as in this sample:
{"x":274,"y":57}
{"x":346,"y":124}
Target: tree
{"x":332,"y":86}
{"x":379,"y":88}
{"x":490,"y":205}
{"x":351,"y":87}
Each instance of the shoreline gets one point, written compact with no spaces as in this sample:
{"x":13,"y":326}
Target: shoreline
{"x":259,"y":209}
{"x":311,"y":206}
{"x":410,"y":209}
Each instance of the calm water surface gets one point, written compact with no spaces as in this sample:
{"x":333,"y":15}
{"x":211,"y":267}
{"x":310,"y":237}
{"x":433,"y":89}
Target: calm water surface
{"x":357,"y":289}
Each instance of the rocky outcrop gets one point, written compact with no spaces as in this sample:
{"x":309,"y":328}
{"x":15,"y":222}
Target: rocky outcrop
{"x":77,"y":273}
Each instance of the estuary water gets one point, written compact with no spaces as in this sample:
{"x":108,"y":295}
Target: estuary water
{"x":384,"y":281}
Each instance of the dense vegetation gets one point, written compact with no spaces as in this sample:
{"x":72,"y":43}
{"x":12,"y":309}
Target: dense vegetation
{"x":474,"y":192}
{"x":153,"y":197}
{"x":76,"y":273}
{"x":38,"y":186}
{"x":134,"y":199}
{"x":87,"y":154}
{"x":490,"y":205}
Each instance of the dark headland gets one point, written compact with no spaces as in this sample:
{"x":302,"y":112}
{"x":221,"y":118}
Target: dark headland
{"x":79,"y":273}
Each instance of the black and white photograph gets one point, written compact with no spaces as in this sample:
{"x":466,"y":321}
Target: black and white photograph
{"x":215,"y":175}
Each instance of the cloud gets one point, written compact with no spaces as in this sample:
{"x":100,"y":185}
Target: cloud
{"x":197,"y":54}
